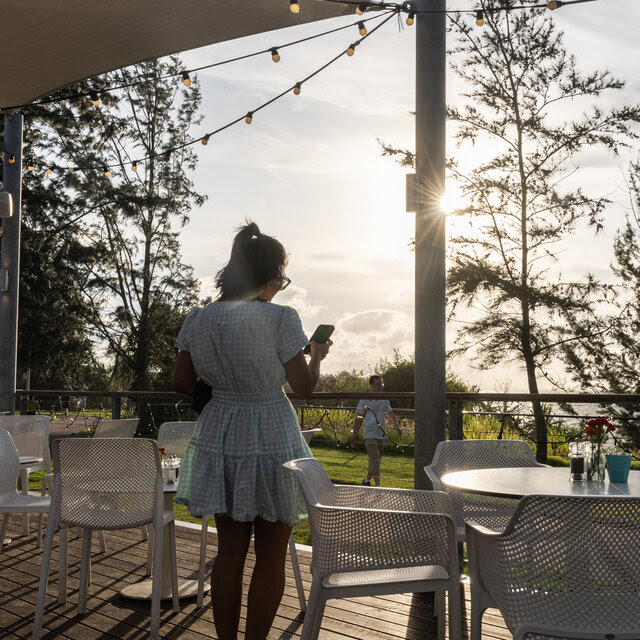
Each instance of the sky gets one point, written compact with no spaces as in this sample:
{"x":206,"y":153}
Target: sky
{"x":309,"y":171}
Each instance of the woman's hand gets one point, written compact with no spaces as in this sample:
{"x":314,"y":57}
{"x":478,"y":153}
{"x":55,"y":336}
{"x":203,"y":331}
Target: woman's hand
{"x":320,"y":349}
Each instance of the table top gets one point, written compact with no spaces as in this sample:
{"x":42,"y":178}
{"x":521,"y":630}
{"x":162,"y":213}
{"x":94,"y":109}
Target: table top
{"x":516,"y":482}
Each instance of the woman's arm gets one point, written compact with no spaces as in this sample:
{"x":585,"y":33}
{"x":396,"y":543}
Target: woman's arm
{"x":301,"y":376}
{"x":184,"y":375}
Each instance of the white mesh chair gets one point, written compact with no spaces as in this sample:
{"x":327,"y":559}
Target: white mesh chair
{"x":116,"y":428}
{"x":31,"y":437}
{"x":307,"y":434}
{"x":461,"y":455}
{"x":375,"y":541}
{"x":105,"y":484}
{"x":10,"y":500}
{"x":564,"y":567}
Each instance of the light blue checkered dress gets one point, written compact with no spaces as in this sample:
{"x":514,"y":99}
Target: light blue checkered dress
{"x":249,"y":428}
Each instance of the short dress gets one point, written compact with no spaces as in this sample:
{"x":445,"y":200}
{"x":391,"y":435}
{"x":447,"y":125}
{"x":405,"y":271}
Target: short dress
{"x":233,"y":465}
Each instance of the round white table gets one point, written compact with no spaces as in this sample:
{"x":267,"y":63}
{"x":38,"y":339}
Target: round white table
{"x":186,"y":588}
{"x":516,"y":482}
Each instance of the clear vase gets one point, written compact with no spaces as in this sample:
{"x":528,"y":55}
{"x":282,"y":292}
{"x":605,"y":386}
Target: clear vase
{"x":595,"y":462}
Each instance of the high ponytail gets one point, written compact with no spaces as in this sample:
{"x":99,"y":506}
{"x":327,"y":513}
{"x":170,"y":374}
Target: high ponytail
{"x":255,"y":260}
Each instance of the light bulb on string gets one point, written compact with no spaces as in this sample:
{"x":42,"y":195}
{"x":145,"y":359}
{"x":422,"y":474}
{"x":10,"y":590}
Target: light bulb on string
{"x":205,"y":140}
{"x":95,"y":98}
{"x":134,"y":166}
{"x":106,"y":171}
{"x":249,"y":117}
{"x":12,"y":159}
{"x":479,"y":18}
{"x":30,"y":165}
{"x":362,"y":30}
{"x":49,"y":170}
{"x":361,"y":8}
{"x":294,"y":7}
{"x":552,"y":5}
{"x":352,"y":49}
{"x":186,"y":80}
{"x":410,"y":18}
{"x":297,"y":88}
{"x":70,"y":170}
{"x":275,"y":56}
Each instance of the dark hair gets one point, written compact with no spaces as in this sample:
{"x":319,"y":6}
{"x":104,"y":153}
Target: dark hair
{"x":255,"y":260}
{"x":374,"y":379}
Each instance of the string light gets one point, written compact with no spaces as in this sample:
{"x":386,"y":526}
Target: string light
{"x":297,"y":88}
{"x":186,"y":80}
{"x":294,"y":7}
{"x":249,"y":118}
{"x":411,"y":18}
{"x":134,"y":166}
{"x":362,"y":30}
{"x":275,"y":56}
{"x":352,"y":49}
{"x":361,"y":8}
{"x":552,"y":5}
{"x":479,"y":18}
{"x":95,"y":98}
{"x":30,"y":165}
{"x":205,"y":140}
{"x":49,"y":170}
{"x":12,"y":159}
{"x":106,"y":171}
{"x":70,"y":170}
{"x":167,"y":155}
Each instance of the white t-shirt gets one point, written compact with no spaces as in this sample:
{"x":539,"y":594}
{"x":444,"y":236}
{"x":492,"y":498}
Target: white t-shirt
{"x":379,"y":409}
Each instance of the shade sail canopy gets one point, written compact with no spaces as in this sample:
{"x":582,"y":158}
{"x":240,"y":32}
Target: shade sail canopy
{"x":47,"y":45}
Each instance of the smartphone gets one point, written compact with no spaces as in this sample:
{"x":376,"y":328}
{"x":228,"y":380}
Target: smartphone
{"x":321,"y":334}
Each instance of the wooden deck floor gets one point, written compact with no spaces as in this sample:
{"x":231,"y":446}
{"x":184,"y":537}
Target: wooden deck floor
{"x":112,"y":616}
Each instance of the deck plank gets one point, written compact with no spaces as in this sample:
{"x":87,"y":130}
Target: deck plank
{"x":110,"y":616}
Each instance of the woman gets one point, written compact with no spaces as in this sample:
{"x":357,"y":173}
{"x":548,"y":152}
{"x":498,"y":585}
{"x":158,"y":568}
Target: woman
{"x":245,"y":348}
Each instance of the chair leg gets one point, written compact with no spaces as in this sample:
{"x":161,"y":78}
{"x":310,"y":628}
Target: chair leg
{"x":103,"y":544}
{"x":62,"y":565}
{"x":439,"y":598}
{"x":145,"y":532}
{"x":313,"y":615}
{"x":174,"y":567}
{"x":157,"y":583}
{"x":44,"y":578}
{"x":296,"y":573}
{"x":476,"y":621}
{"x":3,"y":529}
{"x":24,"y":487}
{"x":203,"y":560}
{"x":84,"y":570}
{"x":455,"y":610}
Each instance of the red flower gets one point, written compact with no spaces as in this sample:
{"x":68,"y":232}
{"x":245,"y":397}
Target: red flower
{"x":163,"y":451}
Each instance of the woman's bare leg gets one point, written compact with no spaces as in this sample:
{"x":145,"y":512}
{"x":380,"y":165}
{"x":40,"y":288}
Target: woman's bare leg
{"x":267,"y":583}
{"x":226,"y":575}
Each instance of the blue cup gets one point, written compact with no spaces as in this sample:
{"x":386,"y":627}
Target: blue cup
{"x":618,"y":465}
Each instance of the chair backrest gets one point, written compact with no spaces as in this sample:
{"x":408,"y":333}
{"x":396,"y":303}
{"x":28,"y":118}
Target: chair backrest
{"x":175,"y":437}
{"x":10,"y":465}
{"x":30,"y":435}
{"x":116,"y":428}
{"x":460,"y":455}
{"x":108,"y":483}
{"x":567,"y":560}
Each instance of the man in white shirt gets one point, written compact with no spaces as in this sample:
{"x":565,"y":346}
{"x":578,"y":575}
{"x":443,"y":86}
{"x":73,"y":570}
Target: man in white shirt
{"x":373,"y":413}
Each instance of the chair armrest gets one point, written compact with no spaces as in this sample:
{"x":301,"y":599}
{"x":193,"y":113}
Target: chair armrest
{"x":354,"y":539}
{"x":480,"y":529}
{"x":433,"y":477}
{"x":411,"y":500}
